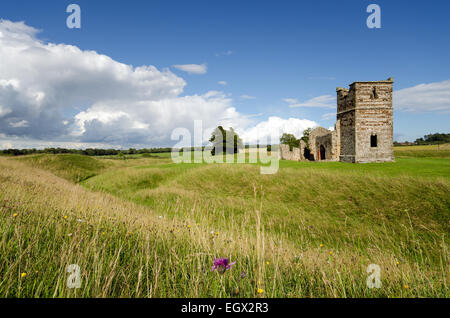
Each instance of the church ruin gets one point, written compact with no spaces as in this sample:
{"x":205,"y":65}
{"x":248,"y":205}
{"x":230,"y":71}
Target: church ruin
{"x":363,"y":131}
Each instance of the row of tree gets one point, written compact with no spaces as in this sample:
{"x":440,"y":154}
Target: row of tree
{"x":87,"y":152}
{"x":223,"y":141}
{"x":430,"y":139}
{"x":433,"y":139}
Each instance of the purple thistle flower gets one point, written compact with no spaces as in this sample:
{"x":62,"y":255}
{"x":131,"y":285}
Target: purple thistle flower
{"x":222,"y":264}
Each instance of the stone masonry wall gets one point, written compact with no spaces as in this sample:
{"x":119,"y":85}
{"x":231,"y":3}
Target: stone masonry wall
{"x":346,"y":117}
{"x":336,"y":135}
{"x":327,"y":142}
{"x":374,"y":117}
{"x":302,"y":150}
{"x":330,"y":141}
{"x":286,"y":154}
{"x":315,"y":133}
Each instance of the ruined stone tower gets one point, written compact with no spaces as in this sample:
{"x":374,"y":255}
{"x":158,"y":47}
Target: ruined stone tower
{"x":364,"y":113}
{"x":363,"y":131}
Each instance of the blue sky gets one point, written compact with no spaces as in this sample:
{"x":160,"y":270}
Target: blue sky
{"x":269,"y":50}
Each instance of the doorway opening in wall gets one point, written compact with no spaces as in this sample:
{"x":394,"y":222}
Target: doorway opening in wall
{"x":322,"y":153}
{"x":307,"y":154}
{"x":373,"y":141}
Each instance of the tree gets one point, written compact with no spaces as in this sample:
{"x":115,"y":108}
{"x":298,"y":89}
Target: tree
{"x":225,"y":141}
{"x":289,"y":139}
{"x":305,"y":137}
{"x":431,"y":139}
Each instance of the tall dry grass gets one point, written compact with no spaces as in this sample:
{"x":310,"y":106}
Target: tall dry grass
{"x":128,"y":248}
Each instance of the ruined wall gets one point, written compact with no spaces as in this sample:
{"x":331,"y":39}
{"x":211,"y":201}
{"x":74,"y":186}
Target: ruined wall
{"x":327,"y":142}
{"x":336,"y":134}
{"x":286,"y":154}
{"x":346,"y":117}
{"x":330,"y":142}
{"x":316,"y":132}
{"x":302,"y":150}
{"x":364,"y":115}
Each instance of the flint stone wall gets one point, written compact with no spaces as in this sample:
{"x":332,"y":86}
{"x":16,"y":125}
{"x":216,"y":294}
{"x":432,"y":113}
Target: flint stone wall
{"x":286,"y":154}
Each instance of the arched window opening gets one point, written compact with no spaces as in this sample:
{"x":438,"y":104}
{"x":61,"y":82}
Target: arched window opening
{"x":374,"y":94}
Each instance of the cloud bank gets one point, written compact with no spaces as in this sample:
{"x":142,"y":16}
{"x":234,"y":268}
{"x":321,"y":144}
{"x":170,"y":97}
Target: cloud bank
{"x":275,"y":127}
{"x":434,"y":97}
{"x":58,"y":94}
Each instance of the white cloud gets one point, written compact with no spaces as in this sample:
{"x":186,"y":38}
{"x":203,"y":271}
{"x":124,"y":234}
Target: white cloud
{"x":432,"y":97}
{"x":21,"y":143}
{"x":4,"y":111}
{"x":275,"y":126}
{"x":245,"y":96}
{"x":222,"y":83}
{"x":328,"y":116}
{"x":291,"y":100}
{"x":43,"y":84}
{"x":19,"y":124}
{"x":254,"y":115}
{"x":6,"y":145}
{"x":228,"y":52}
{"x":324,"y":101}
{"x":192,"y":68}
{"x":57,"y":95}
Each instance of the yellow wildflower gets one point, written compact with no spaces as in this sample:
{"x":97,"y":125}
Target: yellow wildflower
{"x":15,"y":214}
{"x":23,"y":274}
{"x":260,"y":291}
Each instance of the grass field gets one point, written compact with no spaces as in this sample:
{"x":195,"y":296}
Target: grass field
{"x":147,"y":227}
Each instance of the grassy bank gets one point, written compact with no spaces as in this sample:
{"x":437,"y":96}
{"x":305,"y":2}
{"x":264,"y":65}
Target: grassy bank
{"x":150,"y":228}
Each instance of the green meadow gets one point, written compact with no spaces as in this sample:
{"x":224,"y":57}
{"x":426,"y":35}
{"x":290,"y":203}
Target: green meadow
{"x":143,"y":226}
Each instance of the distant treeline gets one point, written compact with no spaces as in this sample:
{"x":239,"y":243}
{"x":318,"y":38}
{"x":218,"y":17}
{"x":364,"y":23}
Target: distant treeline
{"x":87,"y":152}
{"x":431,"y":139}
{"x":99,"y":152}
